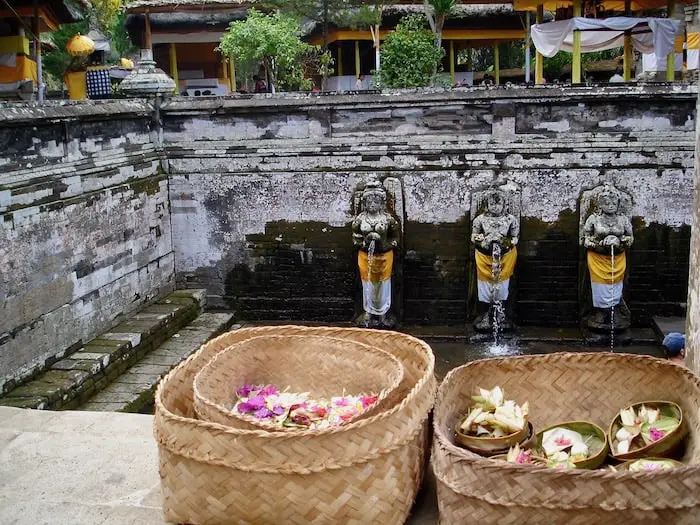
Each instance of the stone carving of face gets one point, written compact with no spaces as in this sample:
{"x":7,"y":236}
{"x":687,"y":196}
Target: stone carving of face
{"x":495,"y":205}
{"x":374,"y":203}
{"x":608,"y":203}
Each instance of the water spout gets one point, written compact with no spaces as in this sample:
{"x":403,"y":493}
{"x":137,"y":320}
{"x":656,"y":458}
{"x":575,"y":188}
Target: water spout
{"x":370,"y":256}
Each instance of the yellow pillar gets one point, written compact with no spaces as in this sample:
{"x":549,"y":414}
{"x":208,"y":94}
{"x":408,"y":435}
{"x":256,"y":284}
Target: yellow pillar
{"x":539,"y":59}
{"x":340,"y":58}
{"x":670,"y":58}
{"x":357,"y":58}
{"x":452,"y":62}
{"x":496,"y":64}
{"x":173,"y":67}
{"x":576,"y":63}
{"x":232,"y":73}
{"x":627,"y":57}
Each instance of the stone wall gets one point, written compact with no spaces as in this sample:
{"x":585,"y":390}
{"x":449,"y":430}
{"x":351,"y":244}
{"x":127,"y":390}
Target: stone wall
{"x":84,"y":226}
{"x":261,"y":193}
{"x":692,"y":330}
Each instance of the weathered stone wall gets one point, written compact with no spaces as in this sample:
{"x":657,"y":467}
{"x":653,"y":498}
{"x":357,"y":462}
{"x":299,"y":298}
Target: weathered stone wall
{"x":692,"y":330}
{"x":84,"y":226}
{"x":261,"y":194}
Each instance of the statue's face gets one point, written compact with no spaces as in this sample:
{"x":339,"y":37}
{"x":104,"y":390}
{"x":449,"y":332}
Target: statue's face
{"x":374,"y":203}
{"x":609,"y":203}
{"x":495,"y":206}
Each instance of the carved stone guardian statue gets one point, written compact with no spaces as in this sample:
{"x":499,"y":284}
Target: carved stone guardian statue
{"x":495,"y":234}
{"x":606,"y":236}
{"x":376,"y":233}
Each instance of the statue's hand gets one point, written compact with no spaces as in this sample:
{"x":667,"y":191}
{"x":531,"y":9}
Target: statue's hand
{"x":372,"y":236}
{"x":589,"y":243}
{"x":514,"y":241}
{"x":478,"y":237}
{"x":627,"y":240}
{"x":611,"y":240}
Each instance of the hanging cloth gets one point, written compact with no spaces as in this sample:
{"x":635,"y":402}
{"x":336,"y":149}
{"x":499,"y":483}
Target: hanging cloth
{"x":649,"y":35}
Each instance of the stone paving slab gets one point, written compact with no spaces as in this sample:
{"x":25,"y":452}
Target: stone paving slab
{"x":135,"y":387}
{"x":94,"y":468}
{"x":72,"y":380}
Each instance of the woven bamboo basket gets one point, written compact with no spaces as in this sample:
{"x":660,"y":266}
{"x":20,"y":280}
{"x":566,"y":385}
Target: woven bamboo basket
{"x":561,"y":387}
{"x":323,"y":366}
{"x":365,"y":472}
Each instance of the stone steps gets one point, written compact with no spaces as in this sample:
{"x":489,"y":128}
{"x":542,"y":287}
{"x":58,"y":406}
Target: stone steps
{"x":133,"y":390}
{"x":72,"y":380}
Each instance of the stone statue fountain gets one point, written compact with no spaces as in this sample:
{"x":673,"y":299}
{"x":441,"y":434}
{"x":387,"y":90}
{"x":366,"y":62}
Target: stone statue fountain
{"x":495,"y":232}
{"x":376,"y":233}
{"x":606,"y":235}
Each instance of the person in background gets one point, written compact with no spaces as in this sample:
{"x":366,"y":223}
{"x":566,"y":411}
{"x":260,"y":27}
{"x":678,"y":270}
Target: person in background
{"x":674,"y":344}
{"x":260,"y":86}
{"x":487,"y":81}
{"x":359,"y":82}
{"x":617,"y":77}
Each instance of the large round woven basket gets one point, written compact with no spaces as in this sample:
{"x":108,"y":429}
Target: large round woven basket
{"x":562,"y":387}
{"x":365,"y":472}
{"x":322,"y":366}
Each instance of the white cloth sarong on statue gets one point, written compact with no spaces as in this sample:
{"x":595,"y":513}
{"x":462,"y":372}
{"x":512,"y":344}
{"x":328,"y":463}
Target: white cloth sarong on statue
{"x":599,"y":34}
{"x":606,"y":295}
{"x":492,"y":292}
{"x":376,"y":297}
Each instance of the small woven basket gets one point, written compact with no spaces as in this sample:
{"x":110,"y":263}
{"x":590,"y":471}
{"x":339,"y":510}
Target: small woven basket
{"x":365,"y":472}
{"x":323,"y":366}
{"x":559,"y":387}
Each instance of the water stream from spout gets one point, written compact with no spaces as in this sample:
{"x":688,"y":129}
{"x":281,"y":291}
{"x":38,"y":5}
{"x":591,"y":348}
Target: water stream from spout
{"x":498,"y":310}
{"x":612,"y":291}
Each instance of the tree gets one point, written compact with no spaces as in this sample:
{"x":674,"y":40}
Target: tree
{"x":274,"y":41}
{"x":437,"y":11}
{"x":105,"y":12}
{"x":409,"y":55}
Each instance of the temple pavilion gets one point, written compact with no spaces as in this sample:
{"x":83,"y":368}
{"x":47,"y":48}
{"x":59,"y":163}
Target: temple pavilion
{"x":184,"y":34}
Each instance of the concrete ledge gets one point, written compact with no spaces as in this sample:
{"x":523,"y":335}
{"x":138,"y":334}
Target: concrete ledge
{"x":70,"y":382}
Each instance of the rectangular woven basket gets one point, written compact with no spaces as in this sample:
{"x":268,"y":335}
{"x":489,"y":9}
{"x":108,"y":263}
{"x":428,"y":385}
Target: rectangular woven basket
{"x":366,"y":472}
{"x":562,"y":387}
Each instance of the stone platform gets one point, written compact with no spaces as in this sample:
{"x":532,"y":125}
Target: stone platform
{"x":92,"y":468}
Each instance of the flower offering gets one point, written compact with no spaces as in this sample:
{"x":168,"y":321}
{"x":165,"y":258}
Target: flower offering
{"x":493,"y":416}
{"x":284,"y":409}
{"x":646,"y":465}
{"x":642,"y":427}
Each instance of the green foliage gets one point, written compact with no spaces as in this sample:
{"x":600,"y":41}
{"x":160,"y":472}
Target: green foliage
{"x":409,"y":57}
{"x":274,"y":41}
{"x":120,"y":37}
{"x":365,"y":16}
{"x":106,"y":11}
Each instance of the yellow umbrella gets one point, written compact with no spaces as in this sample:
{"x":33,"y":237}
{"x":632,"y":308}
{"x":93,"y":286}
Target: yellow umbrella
{"x":80,"y":46}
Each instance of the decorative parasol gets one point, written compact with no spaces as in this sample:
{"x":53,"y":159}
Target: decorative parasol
{"x":80,"y":46}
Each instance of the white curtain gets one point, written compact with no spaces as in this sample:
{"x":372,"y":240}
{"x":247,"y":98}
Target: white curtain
{"x":600,"y":34}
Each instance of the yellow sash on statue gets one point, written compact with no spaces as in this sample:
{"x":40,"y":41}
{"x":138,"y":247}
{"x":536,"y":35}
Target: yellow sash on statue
{"x":602,"y":271}
{"x":381,"y":266}
{"x":484,"y":266}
